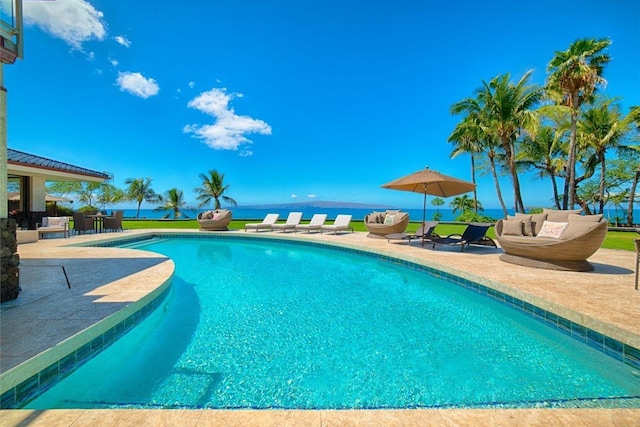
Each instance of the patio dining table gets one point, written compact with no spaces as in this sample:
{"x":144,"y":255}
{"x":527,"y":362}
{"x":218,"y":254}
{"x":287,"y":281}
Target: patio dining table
{"x":98,"y":222}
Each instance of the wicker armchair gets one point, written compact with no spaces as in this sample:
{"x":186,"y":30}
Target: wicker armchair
{"x":113,"y":222}
{"x":379,"y":224}
{"x":217,"y":220}
{"x":82,"y":223}
{"x":582,"y":237}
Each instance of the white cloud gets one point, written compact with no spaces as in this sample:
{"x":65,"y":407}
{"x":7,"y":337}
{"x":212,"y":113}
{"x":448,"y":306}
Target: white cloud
{"x":192,"y":84}
{"x":74,"y":21}
{"x":312,"y":196}
{"x":123,"y":41}
{"x":138,"y":85}
{"x":114,"y":62}
{"x":229,"y":130}
{"x":294,"y":196}
{"x":246,"y":153}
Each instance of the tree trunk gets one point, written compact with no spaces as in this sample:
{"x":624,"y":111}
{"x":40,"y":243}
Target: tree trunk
{"x":473,"y":179}
{"x":632,"y":196}
{"x":571,"y":165}
{"x":495,"y":180}
{"x":138,"y":210}
{"x":555,"y":189}
{"x":603,"y":170}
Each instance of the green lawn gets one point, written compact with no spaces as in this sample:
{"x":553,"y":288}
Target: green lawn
{"x":615,"y":239}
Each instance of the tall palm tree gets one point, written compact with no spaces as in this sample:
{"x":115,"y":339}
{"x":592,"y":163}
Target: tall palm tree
{"x":173,"y":201}
{"x":139,"y":189}
{"x":213,"y":187}
{"x":600,"y":128}
{"x":466,"y":136}
{"x":507,"y":110}
{"x":576,"y":73}
{"x":545,"y":154}
{"x":463,"y":203}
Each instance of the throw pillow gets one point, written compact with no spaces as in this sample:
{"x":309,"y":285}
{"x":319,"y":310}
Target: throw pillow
{"x":512,"y":227}
{"x":527,"y":224}
{"x":388,"y":220}
{"x":552,"y":229}
{"x":584,"y":218}
{"x":560,"y":216}
{"x":55,"y":221}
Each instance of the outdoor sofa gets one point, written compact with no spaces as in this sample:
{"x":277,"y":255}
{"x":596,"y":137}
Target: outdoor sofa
{"x":53,"y":224}
{"x":380,"y":224}
{"x":553,"y":240}
{"x":217,"y":220}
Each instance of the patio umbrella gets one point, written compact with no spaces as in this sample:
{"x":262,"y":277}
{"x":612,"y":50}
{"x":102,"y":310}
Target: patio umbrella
{"x":427,"y":181}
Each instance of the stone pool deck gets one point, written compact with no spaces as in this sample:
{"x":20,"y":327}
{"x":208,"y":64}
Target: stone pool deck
{"x":107,"y":281}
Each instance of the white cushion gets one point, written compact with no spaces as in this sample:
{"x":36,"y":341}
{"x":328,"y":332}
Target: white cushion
{"x":552,"y":229}
{"x":388,"y":219}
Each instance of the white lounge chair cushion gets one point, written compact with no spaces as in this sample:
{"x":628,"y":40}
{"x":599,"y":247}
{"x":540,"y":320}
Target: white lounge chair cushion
{"x":552,"y":229}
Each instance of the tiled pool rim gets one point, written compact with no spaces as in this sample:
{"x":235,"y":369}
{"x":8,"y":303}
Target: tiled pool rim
{"x":39,"y":383}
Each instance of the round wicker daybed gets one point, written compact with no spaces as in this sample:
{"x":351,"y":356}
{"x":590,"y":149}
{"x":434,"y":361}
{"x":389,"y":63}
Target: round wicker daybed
{"x":217,"y":220}
{"x":379,"y":224}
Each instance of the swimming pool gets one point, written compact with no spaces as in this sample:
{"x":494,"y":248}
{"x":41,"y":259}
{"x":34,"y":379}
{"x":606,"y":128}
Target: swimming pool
{"x":262,"y":324}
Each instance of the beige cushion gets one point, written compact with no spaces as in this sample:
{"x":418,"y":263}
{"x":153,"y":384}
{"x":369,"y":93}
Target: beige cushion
{"x":527,"y":225}
{"x":55,"y":221}
{"x":512,"y":227}
{"x":560,"y":216}
{"x":552,"y":229}
{"x":388,"y":220}
{"x":577,"y":228}
{"x":584,"y":218}
{"x":374,"y":217}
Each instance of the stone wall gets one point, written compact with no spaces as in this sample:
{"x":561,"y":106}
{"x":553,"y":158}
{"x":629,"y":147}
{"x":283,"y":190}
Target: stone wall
{"x":9,"y":260}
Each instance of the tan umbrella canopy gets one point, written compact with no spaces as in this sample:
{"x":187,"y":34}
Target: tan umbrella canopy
{"x":47,"y":198}
{"x":427,"y":181}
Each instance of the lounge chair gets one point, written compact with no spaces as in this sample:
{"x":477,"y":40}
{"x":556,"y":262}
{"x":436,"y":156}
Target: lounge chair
{"x":266,"y":223}
{"x":316,"y":222}
{"x":341,"y":223}
{"x":424,"y":232}
{"x":217,"y":220}
{"x":293,"y":219}
{"x":474,"y":234}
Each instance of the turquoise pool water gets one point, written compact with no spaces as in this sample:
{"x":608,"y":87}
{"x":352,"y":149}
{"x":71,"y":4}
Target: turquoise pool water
{"x":262,"y":324}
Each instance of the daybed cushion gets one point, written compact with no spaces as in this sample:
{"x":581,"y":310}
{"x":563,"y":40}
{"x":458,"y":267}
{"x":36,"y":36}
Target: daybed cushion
{"x":532,"y":222}
{"x":375,"y":218}
{"x":577,"y":228}
{"x":512,"y":227}
{"x":584,"y":218}
{"x":531,"y":241}
{"x":388,"y":219}
{"x":552,"y":229}
{"x":559,"y":216}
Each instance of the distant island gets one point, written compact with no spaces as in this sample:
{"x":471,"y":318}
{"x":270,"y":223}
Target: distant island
{"x":318,"y":205}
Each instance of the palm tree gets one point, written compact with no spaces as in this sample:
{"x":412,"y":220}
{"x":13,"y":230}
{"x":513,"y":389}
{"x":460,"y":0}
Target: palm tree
{"x":466,"y":136}
{"x":506,"y":109}
{"x":213,"y":187}
{"x":463,"y":203}
{"x":600,"y":129}
{"x":173,"y":201}
{"x":140,"y":190}
{"x":576,"y":73}
{"x":544,"y":153}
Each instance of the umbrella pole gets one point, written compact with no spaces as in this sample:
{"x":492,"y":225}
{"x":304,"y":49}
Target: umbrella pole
{"x":424,"y":215}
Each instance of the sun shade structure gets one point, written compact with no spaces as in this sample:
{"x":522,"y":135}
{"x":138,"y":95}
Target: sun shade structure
{"x":434,"y":183}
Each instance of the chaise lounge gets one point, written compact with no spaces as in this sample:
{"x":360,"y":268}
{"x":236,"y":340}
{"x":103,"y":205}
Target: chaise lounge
{"x":217,"y":220}
{"x":381,"y":224}
{"x":552,"y":240}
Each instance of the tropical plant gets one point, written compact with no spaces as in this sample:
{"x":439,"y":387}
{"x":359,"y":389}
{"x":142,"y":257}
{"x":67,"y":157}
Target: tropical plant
{"x":575,"y":74}
{"x":467,"y":136}
{"x":213,"y":188}
{"x":139,"y":189}
{"x":506,"y":110}
{"x":173,"y":201}
{"x":437,"y":202}
{"x":464,"y":203}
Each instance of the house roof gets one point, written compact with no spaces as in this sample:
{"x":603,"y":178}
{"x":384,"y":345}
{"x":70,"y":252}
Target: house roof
{"x":19,"y":162}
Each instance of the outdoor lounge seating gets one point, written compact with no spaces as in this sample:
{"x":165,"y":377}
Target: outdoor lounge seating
{"x":341,"y":223}
{"x":553,"y":240}
{"x":82,"y":223}
{"x":293,"y":219}
{"x":217,"y":220}
{"x":53,"y":225}
{"x":113,"y":222}
{"x":380,"y":224}
{"x":266,"y":223}
{"x":424,"y":232}
{"x":316,"y":222}
{"x":474,"y":234}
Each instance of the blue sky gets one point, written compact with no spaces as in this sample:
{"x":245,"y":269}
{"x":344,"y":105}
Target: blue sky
{"x":292,"y":101}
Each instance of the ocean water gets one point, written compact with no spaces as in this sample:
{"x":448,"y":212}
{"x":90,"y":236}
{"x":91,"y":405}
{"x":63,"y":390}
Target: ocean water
{"x":307,"y":213}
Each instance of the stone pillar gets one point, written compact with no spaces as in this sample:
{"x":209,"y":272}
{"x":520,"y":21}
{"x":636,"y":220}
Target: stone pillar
{"x":9,"y":260}
{"x":38,"y":193}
